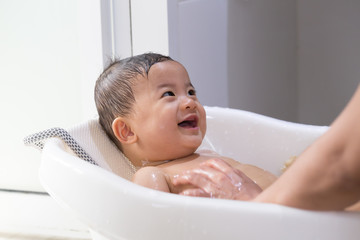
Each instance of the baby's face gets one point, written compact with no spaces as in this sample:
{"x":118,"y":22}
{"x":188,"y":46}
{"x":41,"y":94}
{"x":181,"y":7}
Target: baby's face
{"x":168,"y":119}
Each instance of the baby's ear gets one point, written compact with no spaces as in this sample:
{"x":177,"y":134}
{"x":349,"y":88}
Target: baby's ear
{"x":123,"y":132}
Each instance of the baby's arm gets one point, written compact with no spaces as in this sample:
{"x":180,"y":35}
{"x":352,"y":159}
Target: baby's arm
{"x":151,"y":177}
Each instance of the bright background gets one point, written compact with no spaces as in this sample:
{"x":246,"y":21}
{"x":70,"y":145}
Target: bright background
{"x":297,"y":60}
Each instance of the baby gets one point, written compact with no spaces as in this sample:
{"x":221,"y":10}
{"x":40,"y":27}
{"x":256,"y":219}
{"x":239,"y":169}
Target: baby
{"x":148,"y":107}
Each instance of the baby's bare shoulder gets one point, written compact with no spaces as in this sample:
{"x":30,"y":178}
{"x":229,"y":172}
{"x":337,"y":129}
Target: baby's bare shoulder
{"x":147,"y":170}
{"x":151,"y":177}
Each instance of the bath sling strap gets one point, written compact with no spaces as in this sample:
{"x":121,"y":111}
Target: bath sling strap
{"x":38,"y":140}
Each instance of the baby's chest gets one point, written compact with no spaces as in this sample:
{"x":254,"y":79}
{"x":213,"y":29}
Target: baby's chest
{"x":181,"y":165}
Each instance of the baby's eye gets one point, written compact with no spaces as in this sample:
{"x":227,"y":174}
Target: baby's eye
{"x":192,"y":92}
{"x":168,"y":93}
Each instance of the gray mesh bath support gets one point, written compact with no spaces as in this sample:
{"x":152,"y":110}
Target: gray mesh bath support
{"x":38,"y":140}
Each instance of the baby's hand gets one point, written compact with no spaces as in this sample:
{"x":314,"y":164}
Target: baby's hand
{"x":217,"y":179}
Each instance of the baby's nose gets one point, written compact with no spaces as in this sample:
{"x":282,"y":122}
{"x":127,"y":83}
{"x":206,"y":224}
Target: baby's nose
{"x":188,"y":103}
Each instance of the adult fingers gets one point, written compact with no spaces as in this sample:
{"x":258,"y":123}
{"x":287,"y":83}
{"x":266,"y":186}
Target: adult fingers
{"x":236,"y":176}
{"x":205,"y":178}
{"x":238,"y":186}
{"x":195,"y":192}
{"x":215,"y":183}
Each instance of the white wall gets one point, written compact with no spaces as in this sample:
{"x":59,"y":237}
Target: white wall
{"x":47,"y":74}
{"x":328,"y":56}
{"x":115,"y":29}
{"x":149,"y":26}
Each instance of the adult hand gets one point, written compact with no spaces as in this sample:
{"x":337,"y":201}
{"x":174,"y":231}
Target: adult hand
{"x":217,"y":179}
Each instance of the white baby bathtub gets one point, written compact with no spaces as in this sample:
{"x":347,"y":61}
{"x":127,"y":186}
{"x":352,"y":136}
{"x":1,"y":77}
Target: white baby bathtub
{"x":115,"y":208}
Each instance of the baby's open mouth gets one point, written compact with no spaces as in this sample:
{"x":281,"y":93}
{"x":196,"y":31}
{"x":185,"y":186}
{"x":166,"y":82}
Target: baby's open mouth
{"x":190,"y":122}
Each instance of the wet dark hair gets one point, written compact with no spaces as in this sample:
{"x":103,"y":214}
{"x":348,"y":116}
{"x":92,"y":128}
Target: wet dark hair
{"x":113,"y":93}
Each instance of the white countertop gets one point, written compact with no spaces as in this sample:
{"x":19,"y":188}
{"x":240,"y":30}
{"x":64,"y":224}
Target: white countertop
{"x":37,"y":216}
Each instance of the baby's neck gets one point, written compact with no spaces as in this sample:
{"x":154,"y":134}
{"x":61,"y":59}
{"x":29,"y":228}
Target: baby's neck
{"x":139,"y":163}
{"x":145,"y":163}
